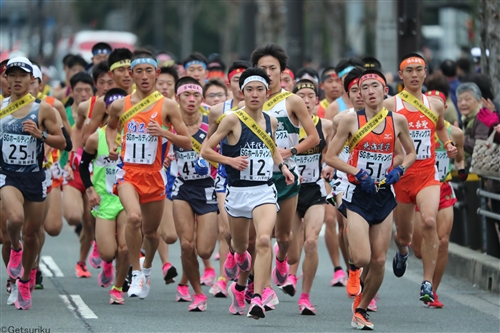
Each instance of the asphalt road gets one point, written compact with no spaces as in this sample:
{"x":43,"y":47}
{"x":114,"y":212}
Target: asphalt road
{"x":69,"y":304}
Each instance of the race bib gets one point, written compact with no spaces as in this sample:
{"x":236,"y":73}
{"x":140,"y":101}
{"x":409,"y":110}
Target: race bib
{"x":376,"y":164}
{"x":185,"y":164}
{"x":140,"y":148}
{"x":308,"y":166}
{"x":211,"y":196}
{"x":422,"y":142}
{"x":19,"y":149}
{"x":110,"y":179}
{"x":442,"y":164}
{"x":57,"y":171}
{"x":260,"y":165}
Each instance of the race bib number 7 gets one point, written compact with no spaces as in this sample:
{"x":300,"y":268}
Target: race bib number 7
{"x":422,"y":142}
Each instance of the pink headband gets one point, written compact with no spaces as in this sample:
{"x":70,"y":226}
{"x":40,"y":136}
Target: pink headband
{"x":190,"y":86}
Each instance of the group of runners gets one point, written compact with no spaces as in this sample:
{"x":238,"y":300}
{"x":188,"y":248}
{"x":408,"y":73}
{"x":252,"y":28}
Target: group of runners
{"x":136,"y":157}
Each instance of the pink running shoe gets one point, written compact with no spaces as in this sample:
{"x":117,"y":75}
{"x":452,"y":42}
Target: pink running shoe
{"x":115,"y":297}
{"x":339,"y":279}
{"x":249,"y":292}
{"x":230,"y":266}
{"x":199,"y":304}
{"x":280,"y":271}
{"x":107,"y":275}
{"x":95,"y":259}
{"x":269,"y":299}
{"x":217,"y":256}
{"x":246,"y":264}
{"x":238,"y":305}
{"x":23,"y":301}
{"x":169,"y":273}
{"x":372,"y":306}
{"x":15,"y":266}
{"x":33,"y":279}
{"x":219,"y":289}
{"x":256,"y":310}
{"x":183,"y":294}
{"x":305,"y":307}
{"x":290,"y":285}
{"x":208,"y":277}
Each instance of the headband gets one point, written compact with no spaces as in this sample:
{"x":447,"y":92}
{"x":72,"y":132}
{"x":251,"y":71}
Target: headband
{"x":142,"y":61}
{"x":371,"y":76}
{"x":346,"y":71}
{"x":304,"y":85}
{"x":252,"y":79}
{"x":194,"y":62}
{"x":112,"y":98}
{"x":325,"y":77}
{"x":411,"y":61}
{"x":289,"y":72}
{"x":189,"y":86}
{"x":121,"y":63}
{"x":438,"y":94}
{"x":101,"y":51}
{"x":234,"y":72}
{"x":353,"y":82}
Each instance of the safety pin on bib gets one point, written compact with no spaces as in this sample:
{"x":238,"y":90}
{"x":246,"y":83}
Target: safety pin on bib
{"x":382,"y":182}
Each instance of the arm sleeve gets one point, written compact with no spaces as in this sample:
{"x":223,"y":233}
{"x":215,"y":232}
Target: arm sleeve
{"x":69,"y":144}
{"x":84,"y":169}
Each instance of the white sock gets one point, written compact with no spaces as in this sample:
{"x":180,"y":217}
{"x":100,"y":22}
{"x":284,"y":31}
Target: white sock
{"x":146,"y":271}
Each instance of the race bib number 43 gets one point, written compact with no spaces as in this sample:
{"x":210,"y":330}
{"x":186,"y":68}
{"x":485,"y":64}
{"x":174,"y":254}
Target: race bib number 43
{"x":422,"y":142}
{"x":140,"y":148}
{"x":19,"y":149}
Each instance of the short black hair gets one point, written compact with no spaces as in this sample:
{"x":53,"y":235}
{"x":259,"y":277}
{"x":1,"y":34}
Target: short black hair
{"x":214,"y":82}
{"x":438,"y":82}
{"x":344,"y":63}
{"x":309,"y":71}
{"x":372,"y":62}
{"x":298,"y":86}
{"x":464,"y":64}
{"x":243,"y":64}
{"x":215,"y":63}
{"x":170,"y":70}
{"x":81,"y":77}
{"x":324,"y":75}
{"x":484,"y":84}
{"x":101,"y":46}
{"x":142,"y":53}
{"x":195,"y":56}
{"x":354,"y":74}
{"x":119,"y":54}
{"x":186,"y":80}
{"x":374,"y":71}
{"x":99,"y":69}
{"x":411,"y":55}
{"x":254,"y":71}
{"x":273,"y":50}
{"x":66,"y":58}
{"x":448,"y":68}
{"x":76,"y":60}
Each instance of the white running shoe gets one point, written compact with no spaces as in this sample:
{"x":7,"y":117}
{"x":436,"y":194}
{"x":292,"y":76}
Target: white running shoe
{"x":135,"y":288}
{"x":13,"y":294}
{"x":146,"y":287}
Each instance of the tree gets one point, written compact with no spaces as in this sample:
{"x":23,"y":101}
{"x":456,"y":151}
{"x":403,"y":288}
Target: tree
{"x":490,"y":40}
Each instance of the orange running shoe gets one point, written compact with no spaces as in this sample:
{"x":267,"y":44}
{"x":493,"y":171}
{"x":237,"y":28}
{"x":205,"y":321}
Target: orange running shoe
{"x":356,"y":302}
{"x":81,"y":270}
{"x":353,"y":287}
{"x":360,"y":320}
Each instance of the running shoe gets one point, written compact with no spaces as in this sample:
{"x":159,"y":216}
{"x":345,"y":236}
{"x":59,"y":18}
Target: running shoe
{"x":339,"y":279}
{"x":81,"y":270}
{"x":32,"y":279}
{"x":249,"y":292}
{"x":246,"y":264}
{"x":146,"y":287}
{"x":15,"y":266}
{"x":107,"y":275}
{"x":78,"y":228}
{"x":208,"y":277}
{"x":39,"y":280}
{"x":305,"y":307}
{"x":8,"y":286}
{"x":23,"y":301}
{"x":280,"y":271}
{"x":199,"y":304}
{"x":426,"y":294}
{"x":169,"y":273}
{"x":183,"y":294}
{"x":290,"y":285}
{"x":256,"y":310}
{"x":115,"y":297}
{"x":360,"y":320}
{"x":128,"y":279}
{"x":95,"y":259}
{"x":135,"y":288}
{"x":356,"y":302}
{"x":434,"y":305}
{"x":373,"y":304}
{"x":230,"y":266}
{"x":238,"y":305}
{"x":269,"y":299}
{"x":13,"y":294}
{"x":217,"y":256}
{"x":399,"y":264}
{"x":219,"y":289}
{"x":353,"y":287}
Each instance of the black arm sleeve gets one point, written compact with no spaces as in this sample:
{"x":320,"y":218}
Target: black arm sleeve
{"x":84,"y":169}
{"x":69,"y":144}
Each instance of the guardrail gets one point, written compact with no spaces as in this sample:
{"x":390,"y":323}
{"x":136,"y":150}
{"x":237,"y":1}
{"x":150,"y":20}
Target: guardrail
{"x":483,"y":210}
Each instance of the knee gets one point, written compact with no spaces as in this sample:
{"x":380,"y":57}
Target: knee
{"x":330,"y":221}
{"x":283,"y":237}
{"x":443,"y":244}
{"x":106,"y":256}
{"x":417,"y":252}
{"x":170,"y":239}
{"x":205,"y":254}
{"x":403,"y":239}
{"x":53,"y":230}
{"x":263,"y":243}
{"x":360,"y":260}
{"x":377,"y":260}
{"x":311,"y":246}
{"x":187,"y":246}
{"x":134,"y":221}
{"x":429,"y":223}
{"x":122,"y":251}
{"x":30,"y":236}
{"x":16,"y":219}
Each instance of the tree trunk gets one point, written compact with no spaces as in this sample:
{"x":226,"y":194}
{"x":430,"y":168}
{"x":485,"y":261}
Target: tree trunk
{"x":335,"y":10}
{"x":490,"y":40}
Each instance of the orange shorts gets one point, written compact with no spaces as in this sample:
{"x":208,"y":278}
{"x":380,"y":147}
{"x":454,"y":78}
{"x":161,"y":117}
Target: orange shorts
{"x":447,"y":197}
{"x":150,"y":185}
{"x":57,"y":182}
{"x":412,"y":183}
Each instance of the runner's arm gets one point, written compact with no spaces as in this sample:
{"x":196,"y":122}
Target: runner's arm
{"x":58,"y":105}
{"x":207,"y":149}
{"x":215,"y":113}
{"x":172,"y":114}
{"x":458,"y":137}
{"x":441,"y":130}
{"x":115,"y":111}
{"x":332,"y":110}
{"x":337,"y":144}
{"x":88,"y":155}
{"x":399,"y":154}
{"x":97,"y":116}
{"x":300,"y":110}
{"x":69,"y":144}
{"x":77,"y":135}
{"x":406,"y":140}
{"x":55,"y":138}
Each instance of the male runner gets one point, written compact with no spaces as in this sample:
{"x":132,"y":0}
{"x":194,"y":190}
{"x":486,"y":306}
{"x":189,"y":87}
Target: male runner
{"x":140,"y":179}
{"x":332,"y":86}
{"x":215,"y":92}
{"x":27,"y":124}
{"x":195,"y":66}
{"x":166,"y":81}
{"x":248,"y":153}
{"x":419,"y":186}
{"x":74,"y":64}
{"x":368,"y":200}
{"x":287,"y":79}
{"x":100,"y":52}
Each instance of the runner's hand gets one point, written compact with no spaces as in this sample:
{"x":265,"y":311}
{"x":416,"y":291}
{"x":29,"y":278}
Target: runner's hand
{"x":289,"y":176}
{"x":154,"y":129}
{"x":394,"y":176}
{"x":367,"y":183}
{"x":451,"y":150}
{"x":239,"y":163}
{"x":94,"y":198}
{"x":113,"y":153}
{"x":168,"y":160}
{"x":327,"y":173}
{"x":69,"y":173}
{"x":31,"y":127}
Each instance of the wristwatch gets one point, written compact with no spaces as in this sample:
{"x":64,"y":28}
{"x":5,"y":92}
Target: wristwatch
{"x":293,"y":150}
{"x":403,"y":168}
{"x":45,"y":134}
{"x":280,"y":166}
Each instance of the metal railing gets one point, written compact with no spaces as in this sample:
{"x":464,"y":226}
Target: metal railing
{"x":483,"y":210}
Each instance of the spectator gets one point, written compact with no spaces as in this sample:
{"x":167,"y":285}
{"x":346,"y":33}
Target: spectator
{"x":484,"y":84}
{"x":449,"y":70}
{"x":463,"y":67}
{"x":439,"y":82}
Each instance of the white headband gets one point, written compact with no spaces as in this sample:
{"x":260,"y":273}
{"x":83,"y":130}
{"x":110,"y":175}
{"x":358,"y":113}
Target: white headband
{"x":254,"y":78}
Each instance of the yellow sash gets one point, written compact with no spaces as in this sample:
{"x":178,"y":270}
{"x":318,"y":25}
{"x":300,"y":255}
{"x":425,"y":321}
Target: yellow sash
{"x":204,"y":111}
{"x":14,"y":106}
{"x":324,"y":104}
{"x":409,"y":98}
{"x":302,"y":132}
{"x":256,"y":129}
{"x":224,"y":115}
{"x":276,"y":99}
{"x":141,"y":106}
{"x":367,"y":128}
{"x":197,"y":149}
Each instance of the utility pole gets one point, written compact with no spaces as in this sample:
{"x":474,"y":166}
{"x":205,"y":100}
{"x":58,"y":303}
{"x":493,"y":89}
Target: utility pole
{"x":41,"y":30}
{"x":409,"y":26}
{"x":490,"y":40}
{"x":248,"y":40}
{"x":295,"y":33}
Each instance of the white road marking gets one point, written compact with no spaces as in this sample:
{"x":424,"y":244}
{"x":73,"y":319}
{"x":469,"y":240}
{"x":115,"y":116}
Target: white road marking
{"x":322,"y":232}
{"x":45,"y":271}
{"x":51,"y":264}
{"x":81,"y":307}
